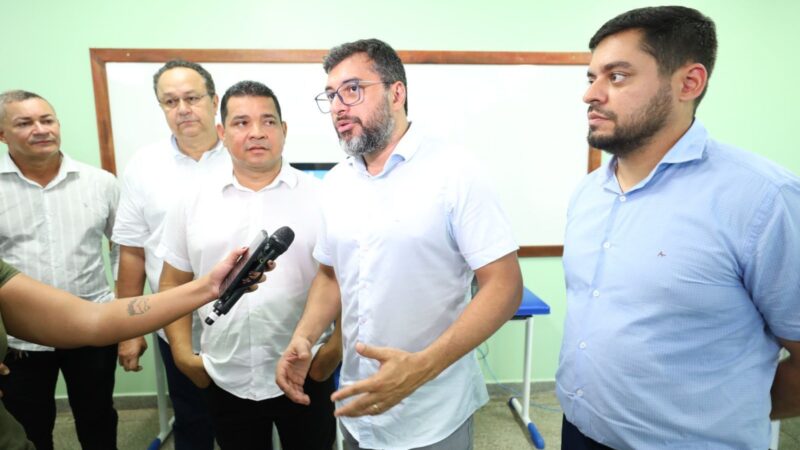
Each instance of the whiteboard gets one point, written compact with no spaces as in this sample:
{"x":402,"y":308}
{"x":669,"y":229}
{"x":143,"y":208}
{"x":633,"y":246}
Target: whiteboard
{"x":524,"y":123}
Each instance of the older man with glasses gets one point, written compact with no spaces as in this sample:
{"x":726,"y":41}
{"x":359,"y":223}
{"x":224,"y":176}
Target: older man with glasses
{"x":154,"y":180}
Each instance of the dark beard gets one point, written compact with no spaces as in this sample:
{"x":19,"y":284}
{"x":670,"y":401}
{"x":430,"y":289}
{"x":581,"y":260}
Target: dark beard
{"x":644,"y":125}
{"x":373,"y":138}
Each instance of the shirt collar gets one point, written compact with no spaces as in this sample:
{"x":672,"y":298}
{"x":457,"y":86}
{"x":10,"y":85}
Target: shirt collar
{"x":68,"y":165}
{"x":179,"y":155}
{"x":690,"y":147}
{"x":404,"y":151}
{"x":286,"y":176}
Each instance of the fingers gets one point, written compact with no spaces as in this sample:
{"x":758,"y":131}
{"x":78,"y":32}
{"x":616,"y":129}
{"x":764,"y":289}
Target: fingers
{"x":4,"y":370}
{"x":130,"y":363}
{"x":380,"y":354}
{"x":364,"y":386}
{"x":296,"y":394}
{"x":235,"y":254}
{"x":287,"y":380}
{"x":129,"y":352}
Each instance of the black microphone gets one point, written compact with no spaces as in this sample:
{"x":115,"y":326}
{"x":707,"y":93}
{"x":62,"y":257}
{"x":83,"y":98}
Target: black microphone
{"x":238,"y":281}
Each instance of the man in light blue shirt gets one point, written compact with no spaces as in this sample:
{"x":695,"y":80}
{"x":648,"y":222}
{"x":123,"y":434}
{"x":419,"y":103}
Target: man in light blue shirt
{"x":681,"y":256}
{"x":407,"y":222}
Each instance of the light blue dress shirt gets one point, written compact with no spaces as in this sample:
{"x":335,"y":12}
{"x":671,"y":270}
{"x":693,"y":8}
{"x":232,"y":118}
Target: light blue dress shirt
{"x":676,"y":291}
{"x":404,"y":244}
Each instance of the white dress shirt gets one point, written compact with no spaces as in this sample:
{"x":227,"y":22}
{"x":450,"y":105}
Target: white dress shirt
{"x":241,"y":349}
{"x":153,"y":182}
{"x":54,"y":234}
{"x":404,"y":244}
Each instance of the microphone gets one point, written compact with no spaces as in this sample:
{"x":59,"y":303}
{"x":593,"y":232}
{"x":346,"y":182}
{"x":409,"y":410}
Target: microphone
{"x":237,"y":282}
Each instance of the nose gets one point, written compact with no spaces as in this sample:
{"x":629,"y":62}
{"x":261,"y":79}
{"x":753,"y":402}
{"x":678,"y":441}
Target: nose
{"x":257,"y":131}
{"x":595,"y":93}
{"x":40,"y":128}
{"x":183,"y":106}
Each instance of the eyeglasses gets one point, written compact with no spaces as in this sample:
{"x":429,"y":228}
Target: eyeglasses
{"x":173,"y":102}
{"x":350,"y":93}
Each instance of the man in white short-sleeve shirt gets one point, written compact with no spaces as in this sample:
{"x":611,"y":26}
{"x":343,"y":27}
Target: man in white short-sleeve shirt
{"x":240,"y":350}
{"x":407,"y":221}
{"x":152,"y":184}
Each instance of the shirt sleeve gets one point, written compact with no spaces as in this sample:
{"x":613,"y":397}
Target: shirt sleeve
{"x":321,"y":250}
{"x":772,"y":272}
{"x":173,"y":248}
{"x":478,"y":223}
{"x":130,"y":226}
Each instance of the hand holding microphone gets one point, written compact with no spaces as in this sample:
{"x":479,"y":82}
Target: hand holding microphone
{"x":236,"y":284}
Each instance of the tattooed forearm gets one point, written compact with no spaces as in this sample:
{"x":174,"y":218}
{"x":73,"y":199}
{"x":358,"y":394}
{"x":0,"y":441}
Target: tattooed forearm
{"x":138,"y":306}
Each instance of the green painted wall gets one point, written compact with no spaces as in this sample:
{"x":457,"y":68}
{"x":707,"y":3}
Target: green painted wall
{"x":751,"y":102}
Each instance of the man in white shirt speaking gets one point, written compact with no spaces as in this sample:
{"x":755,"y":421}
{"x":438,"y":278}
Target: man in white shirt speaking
{"x":54,"y":212}
{"x":240,"y":350}
{"x":152,"y":184}
{"x":408,"y":219}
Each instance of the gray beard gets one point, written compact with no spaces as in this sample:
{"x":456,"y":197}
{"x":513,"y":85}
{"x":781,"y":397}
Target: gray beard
{"x":372,"y":139}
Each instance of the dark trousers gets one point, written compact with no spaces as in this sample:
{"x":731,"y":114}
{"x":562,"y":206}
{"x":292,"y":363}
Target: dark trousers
{"x":29,"y":393}
{"x":192,"y":429}
{"x":247,"y":424}
{"x":573,"y":439}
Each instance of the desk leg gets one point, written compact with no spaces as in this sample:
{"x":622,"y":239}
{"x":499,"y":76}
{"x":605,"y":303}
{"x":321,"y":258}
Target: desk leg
{"x":523,"y":409}
{"x":164,"y":424}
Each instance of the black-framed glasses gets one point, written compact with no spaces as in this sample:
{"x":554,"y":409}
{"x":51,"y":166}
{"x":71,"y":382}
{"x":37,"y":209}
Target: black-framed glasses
{"x":349,"y":93}
{"x":173,"y":102}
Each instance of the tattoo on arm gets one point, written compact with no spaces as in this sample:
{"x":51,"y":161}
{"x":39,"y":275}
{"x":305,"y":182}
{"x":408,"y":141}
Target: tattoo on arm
{"x":138,"y":306}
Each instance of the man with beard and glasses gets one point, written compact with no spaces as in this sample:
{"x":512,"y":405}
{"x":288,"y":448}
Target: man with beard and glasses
{"x":407,"y":219}
{"x":680,"y":257}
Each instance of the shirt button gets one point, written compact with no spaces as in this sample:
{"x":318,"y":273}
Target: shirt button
{"x":606,"y":244}
{"x":622,"y":198}
{"x":582,"y":345}
{"x":579,"y":392}
{"x":595,"y":293}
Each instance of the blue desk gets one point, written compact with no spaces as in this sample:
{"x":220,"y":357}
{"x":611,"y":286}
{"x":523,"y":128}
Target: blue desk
{"x":531,"y":306}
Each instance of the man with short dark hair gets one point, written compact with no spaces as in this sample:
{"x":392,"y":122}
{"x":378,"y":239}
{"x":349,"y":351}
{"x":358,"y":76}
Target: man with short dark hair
{"x":680,"y":258}
{"x":54,"y":212}
{"x":239,"y":351}
{"x":407,"y":220}
{"x":152,"y":183}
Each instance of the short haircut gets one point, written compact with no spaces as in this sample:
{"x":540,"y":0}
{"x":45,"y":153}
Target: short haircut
{"x":673,"y":35}
{"x":384,"y":60}
{"x":248,"y":88}
{"x":15,"y":96}
{"x":175,"y":63}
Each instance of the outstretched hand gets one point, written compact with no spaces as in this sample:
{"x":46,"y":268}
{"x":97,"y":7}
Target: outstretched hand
{"x":292,"y":370}
{"x":224,"y":267}
{"x":400,"y":374}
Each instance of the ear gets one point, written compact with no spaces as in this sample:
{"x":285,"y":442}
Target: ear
{"x":397,"y":92}
{"x":3,"y":136}
{"x":221,"y":132}
{"x":285,"y":128}
{"x":692,"y":79}
{"x":215,"y":102}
